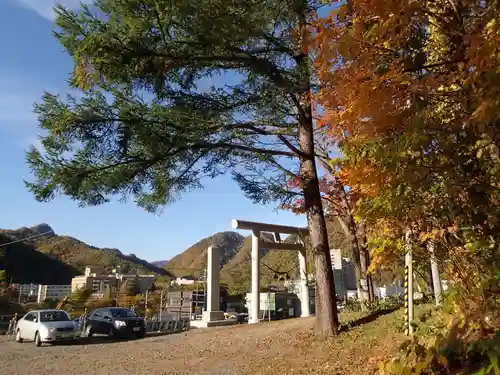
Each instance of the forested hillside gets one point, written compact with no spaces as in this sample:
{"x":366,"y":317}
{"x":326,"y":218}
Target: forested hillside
{"x":72,"y":252}
{"x":24,"y":264}
{"x":193,"y":260}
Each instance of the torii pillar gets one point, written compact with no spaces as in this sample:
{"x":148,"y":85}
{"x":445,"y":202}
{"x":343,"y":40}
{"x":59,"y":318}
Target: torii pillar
{"x":213,"y":312}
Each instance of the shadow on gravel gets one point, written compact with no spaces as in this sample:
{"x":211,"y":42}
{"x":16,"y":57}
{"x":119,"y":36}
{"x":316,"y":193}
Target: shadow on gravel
{"x":366,"y":319}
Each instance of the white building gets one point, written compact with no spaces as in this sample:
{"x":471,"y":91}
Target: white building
{"x":392,"y":290}
{"x":184,"y":280}
{"x":26,"y":290}
{"x":56,"y":292}
{"x":97,"y":280}
{"x":344,"y":275}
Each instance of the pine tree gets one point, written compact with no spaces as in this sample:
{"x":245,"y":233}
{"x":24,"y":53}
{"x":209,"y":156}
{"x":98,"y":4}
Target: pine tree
{"x":148,"y":126}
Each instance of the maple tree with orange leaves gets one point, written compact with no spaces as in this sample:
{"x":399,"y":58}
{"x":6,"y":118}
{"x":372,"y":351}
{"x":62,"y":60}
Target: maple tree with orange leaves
{"x":411,"y":91}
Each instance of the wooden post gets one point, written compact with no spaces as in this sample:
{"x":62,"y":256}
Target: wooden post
{"x":161,"y":306}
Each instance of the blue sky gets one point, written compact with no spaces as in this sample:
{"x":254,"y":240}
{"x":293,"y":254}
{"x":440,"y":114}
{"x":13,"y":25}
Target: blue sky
{"x":32,"y":61}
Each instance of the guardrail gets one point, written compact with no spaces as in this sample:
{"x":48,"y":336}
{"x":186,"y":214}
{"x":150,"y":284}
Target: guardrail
{"x":4,"y":323}
{"x":152,"y":326}
{"x":169,"y":326}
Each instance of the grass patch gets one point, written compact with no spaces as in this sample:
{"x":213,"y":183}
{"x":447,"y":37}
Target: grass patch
{"x":357,"y":350}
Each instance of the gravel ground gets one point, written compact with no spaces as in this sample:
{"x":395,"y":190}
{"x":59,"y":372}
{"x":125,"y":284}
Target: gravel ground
{"x":280,"y":347}
{"x":216,"y":351}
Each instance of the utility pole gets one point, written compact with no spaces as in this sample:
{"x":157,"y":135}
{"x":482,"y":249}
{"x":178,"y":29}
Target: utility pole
{"x":205,"y":271}
{"x":436,"y":279}
{"x":161,"y":305}
{"x":408,"y":284}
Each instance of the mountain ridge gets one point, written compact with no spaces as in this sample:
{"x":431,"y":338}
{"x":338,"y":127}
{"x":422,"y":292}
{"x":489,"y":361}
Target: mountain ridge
{"x":192,"y":260}
{"x":76,"y":253}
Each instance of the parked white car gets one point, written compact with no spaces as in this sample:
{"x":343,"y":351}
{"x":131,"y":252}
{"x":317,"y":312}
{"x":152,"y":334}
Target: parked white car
{"x":46,"y":326}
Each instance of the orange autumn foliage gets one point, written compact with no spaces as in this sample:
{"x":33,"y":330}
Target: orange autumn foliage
{"x":410,"y":91}
{"x":400,"y":80}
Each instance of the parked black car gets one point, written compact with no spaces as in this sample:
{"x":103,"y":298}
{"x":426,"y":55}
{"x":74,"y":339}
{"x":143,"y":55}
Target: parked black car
{"x":114,"y":322}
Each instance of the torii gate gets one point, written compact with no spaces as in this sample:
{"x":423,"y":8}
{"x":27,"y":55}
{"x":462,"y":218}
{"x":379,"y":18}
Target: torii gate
{"x":258,"y":243}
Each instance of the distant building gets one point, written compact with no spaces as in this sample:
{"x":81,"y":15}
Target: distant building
{"x":184,"y":280}
{"x":97,"y":281}
{"x":344,"y":275}
{"x":41,"y":292}
{"x":56,"y":292}
{"x":26,"y":290}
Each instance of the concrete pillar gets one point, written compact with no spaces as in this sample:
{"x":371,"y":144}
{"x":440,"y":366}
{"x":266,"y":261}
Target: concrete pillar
{"x":213,"y":279}
{"x":304,"y":288}
{"x":213,"y":312}
{"x":255,"y":303}
{"x":436,"y":279}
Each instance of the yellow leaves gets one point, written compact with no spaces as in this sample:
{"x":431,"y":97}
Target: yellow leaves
{"x":434,"y":234}
{"x":491,"y":27}
{"x":385,"y":245}
{"x":81,"y":77}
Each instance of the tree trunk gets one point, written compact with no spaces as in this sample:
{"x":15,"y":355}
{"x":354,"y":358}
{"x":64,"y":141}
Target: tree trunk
{"x":350,"y":231}
{"x":327,"y":322}
{"x":365,"y":264}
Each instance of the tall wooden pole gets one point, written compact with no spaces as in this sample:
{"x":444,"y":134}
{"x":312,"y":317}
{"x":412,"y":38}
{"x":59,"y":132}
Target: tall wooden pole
{"x":436,"y":279}
{"x":161,"y":306}
{"x":408,"y":284}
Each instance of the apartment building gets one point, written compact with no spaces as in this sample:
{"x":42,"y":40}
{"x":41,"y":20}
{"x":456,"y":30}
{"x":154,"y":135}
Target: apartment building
{"x":55,"y":292}
{"x":97,"y":280}
{"x":41,"y":292}
{"x":26,"y":290}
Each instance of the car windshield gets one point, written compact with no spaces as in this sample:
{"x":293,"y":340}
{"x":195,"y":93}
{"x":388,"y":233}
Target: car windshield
{"x":123,"y":313}
{"x":54,"y":316}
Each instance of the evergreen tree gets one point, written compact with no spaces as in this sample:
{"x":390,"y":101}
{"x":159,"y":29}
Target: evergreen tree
{"x":148,"y":126}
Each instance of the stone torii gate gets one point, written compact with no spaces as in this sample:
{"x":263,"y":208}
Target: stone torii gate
{"x":258,"y":243}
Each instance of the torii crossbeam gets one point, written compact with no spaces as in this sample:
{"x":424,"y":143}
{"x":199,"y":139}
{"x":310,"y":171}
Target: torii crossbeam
{"x":258,"y":243}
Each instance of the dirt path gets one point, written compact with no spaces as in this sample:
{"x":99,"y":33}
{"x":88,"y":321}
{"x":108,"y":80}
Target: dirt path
{"x":282,"y":347}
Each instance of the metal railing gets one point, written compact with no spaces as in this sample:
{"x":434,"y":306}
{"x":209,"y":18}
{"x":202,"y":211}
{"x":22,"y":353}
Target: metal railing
{"x":152,"y":326}
{"x":5,"y":323}
{"x":171,"y":326}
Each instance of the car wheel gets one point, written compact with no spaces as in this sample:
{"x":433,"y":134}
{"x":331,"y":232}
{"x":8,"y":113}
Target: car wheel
{"x":112,"y":333}
{"x":19,"y":338}
{"x":38,"y":340}
{"x":88,"y":331}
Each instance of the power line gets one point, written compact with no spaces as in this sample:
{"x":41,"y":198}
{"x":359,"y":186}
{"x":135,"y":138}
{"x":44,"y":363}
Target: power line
{"x":27,"y":238}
